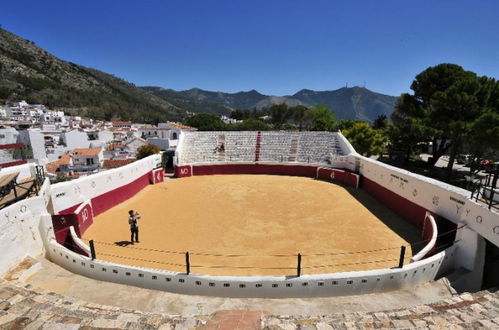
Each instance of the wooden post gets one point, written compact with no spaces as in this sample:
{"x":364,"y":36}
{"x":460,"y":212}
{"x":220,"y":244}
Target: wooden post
{"x":298,"y":269}
{"x":92,"y":249}
{"x":187,"y":263}
{"x":402,"y":256}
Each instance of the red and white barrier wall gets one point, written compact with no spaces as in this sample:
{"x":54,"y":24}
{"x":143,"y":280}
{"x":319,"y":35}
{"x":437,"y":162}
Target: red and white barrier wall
{"x":77,"y":202}
{"x":412,"y":195}
{"x":311,"y":171}
{"x":104,"y":189}
{"x":430,"y":233}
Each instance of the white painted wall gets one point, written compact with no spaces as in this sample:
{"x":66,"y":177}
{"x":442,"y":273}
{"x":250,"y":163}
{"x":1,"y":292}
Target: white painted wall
{"x":20,"y":234}
{"x":35,"y":139}
{"x":105,"y":135}
{"x":8,"y":135}
{"x":323,"y":285}
{"x":164,"y":144}
{"x":76,"y":139}
{"x":25,"y":171}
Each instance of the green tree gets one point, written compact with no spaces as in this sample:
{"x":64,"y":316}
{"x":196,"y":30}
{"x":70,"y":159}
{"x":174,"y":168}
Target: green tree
{"x":240,"y":114}
{"x":447,"y":100}
{"x":365,"y":140}
{"x":164,"y":160}
{"x":251,"y":124}
{"x":206,"y":122}
{"x":147,"y":150}
{"x":482,"y":140}
{"x":279,"y":114}
{"x":381,"y":122}
{"x":300,"y":115}
{"x":322,"y":119}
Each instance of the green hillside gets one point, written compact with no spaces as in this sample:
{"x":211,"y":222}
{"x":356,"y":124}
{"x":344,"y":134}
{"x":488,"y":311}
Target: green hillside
{"x":30,"y":73}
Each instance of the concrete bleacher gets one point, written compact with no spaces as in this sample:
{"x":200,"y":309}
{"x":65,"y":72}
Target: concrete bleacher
{"x":317,"y":147}
{"x":275,"y":146}
{"x":265,"y":146}
{"x":240,"y":146}
{"x":199,"y":147}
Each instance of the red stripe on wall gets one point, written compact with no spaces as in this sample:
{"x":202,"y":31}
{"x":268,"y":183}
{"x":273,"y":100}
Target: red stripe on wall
{"x":12,"y":146}
{"x":114,"y":197}
{"x":277,"y":169}
{"x":412,"y":212}
{"x":107,"y":200}
{"x":15,"y":163}
{"x":257,"y":146}
{"x":409,"y":210}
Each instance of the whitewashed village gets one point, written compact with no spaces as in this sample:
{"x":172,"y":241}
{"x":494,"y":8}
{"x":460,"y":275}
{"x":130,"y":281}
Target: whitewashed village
{"x":72,"y":146}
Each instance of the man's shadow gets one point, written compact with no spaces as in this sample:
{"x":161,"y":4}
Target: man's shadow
{"x":123,"y":243}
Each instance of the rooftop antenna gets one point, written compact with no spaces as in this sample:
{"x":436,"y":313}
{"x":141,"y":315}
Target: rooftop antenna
{"x":364,"y":84}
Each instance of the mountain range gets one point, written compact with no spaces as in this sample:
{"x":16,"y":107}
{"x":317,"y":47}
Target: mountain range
{"x":347,"y":103}
{"x":28,"y":72}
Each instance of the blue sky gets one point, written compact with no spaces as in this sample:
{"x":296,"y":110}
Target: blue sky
{"x":274,"y":46}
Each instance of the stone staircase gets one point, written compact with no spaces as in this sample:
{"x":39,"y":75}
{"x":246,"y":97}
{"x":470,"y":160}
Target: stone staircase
{"x":257,"y":147}
{"x":221,"y":147}
{"x":293,"y":150}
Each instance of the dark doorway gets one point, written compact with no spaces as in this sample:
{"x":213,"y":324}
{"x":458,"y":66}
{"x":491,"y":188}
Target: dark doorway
{"x":491,"y":267}
{"x":169,"y":162}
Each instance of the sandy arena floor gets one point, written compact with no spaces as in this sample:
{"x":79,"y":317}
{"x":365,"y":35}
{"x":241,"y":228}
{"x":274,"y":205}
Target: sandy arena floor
{"x":232,"y":223}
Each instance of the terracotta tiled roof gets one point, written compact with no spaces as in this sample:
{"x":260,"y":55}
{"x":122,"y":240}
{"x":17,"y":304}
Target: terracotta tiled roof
{"x":180,"y":126}
{"x":52,"y":167}
{"x":113,"y":163}
{"x":86,"y":151}
{"x":113,"y":146}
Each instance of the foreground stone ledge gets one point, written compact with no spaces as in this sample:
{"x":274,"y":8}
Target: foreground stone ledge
{"x":21,"y":307}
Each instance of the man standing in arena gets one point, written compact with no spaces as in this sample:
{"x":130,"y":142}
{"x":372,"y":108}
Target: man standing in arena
{"x":134,"y":228}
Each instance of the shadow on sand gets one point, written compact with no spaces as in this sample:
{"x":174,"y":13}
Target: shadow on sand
{"x":396,"y":223}
{"x":123,"y":243}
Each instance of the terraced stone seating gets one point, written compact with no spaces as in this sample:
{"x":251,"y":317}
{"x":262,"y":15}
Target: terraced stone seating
{"x":240,"y":146}
{"x":199,"y":147}
{"x":301,"y":147}
{"x":317,"y":147}
{"x":275,"y":146}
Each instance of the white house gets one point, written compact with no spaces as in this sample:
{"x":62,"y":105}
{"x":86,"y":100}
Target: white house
{"x":133,"y":144}
{"x":76,"y":139}
{"x":8,"y":135}
{"x":116,"y":151}
{"x":86,"y":159}
{"x":34,"y":138}
{"x":105,"y":135}
{"x":175,"y":129}
{"x":122,"y":124}
{"x":163,"y":144}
